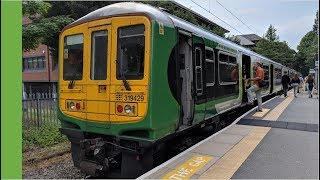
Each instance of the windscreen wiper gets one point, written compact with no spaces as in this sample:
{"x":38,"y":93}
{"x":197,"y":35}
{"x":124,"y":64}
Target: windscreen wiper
{"x":71,"y":83}
{"x":123,"y":78}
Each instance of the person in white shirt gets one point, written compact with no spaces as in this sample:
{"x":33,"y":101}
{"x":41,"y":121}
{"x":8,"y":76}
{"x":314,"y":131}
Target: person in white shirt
{"x":301,"y":85}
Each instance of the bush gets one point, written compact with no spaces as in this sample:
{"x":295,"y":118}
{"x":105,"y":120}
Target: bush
{"x":44,"y":136}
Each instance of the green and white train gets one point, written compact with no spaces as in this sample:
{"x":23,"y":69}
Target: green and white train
{"x":132,"y":77}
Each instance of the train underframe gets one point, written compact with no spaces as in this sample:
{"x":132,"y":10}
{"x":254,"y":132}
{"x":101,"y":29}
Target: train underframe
{"x":120,"y":157}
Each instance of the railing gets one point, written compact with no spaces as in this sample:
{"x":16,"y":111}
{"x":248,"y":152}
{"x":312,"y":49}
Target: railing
{"x":39,"y":109}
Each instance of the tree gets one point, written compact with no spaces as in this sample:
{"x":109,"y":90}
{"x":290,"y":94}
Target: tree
{"x":271,"y":34}
{"x":276,"y":51}
{"x":316,"y":24}
{"x":42,"y":29}
{"x":34,"y":9}
{"x":308,"y":48}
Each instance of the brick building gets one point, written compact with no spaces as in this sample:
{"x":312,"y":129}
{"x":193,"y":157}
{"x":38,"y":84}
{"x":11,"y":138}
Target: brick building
{"x":39,"y":72}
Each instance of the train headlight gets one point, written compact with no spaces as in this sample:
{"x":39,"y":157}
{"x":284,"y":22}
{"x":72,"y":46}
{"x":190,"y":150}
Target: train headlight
{"x":127,"y":109}
{"x":72,"y":106}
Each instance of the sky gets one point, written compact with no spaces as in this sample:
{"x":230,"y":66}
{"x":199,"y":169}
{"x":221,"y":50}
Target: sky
{"x":292,"y":18}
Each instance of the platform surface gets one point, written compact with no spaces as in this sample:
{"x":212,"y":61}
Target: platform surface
{"x":282,"y":142}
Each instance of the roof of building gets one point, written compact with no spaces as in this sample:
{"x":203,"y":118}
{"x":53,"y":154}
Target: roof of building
{"x":252,"y":37}
{"x":244,"y":41}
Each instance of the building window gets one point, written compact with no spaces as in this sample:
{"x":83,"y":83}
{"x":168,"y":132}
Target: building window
{"x":34,"y":63}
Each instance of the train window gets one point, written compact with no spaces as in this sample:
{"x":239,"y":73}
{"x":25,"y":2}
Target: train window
{"x":228,"y":69}
{"x":232,"y":60}
{"x":223,"y":58}
{"x":210,"y":72}
{"x":199,"y":80}
{"x":209,"y":54}
{"x":73,"y":57}
{"x":99,"y":51}
{"x":130,"y":53}
{"x":210,"y":67}
{"x":278,"y":76}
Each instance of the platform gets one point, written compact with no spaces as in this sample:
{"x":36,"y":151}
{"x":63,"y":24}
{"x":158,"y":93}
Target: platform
{"x":282,"y":142}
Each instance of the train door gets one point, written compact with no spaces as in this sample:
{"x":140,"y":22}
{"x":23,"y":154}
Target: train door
{"x":199,"y":82}
{"x":98,"y":84}
{"x":246,"y":67}
{"x":186,"y":77}
{"x":272,"y":80}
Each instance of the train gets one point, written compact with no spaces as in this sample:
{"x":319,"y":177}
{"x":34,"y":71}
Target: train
{"x":133,"y":76}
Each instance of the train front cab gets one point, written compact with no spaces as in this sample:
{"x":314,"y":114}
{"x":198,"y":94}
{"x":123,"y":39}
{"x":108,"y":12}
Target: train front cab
{"x":103,"y":82}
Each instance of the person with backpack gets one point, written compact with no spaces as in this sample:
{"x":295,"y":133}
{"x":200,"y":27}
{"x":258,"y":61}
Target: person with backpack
{"x":310,"y":82}
{"x":295,"y":81}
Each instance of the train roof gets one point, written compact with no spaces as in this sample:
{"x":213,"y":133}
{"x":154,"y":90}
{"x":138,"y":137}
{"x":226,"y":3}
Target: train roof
{"x":128,"y":8}
{"x":158,"y":15}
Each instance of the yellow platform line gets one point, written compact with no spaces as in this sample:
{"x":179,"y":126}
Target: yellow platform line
{"x":225,"y":167}
{"x":278,"y":110}
{"x":261,"y":114}
{"x":189,"y":168}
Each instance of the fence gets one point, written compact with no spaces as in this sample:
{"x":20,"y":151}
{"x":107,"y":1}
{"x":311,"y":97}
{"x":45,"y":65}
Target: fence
{"x":39,"y":109}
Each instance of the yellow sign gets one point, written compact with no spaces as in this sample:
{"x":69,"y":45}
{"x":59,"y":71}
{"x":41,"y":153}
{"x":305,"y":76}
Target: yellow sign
{"x":161,"y":29}
{"x":65,"y":54}
{"x":189,"y":168}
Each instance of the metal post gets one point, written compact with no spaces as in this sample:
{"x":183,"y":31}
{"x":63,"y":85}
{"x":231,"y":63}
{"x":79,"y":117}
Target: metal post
{"x":38,"y":111}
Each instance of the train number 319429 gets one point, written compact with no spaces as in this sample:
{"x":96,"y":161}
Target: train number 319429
{"x":136,"y":98}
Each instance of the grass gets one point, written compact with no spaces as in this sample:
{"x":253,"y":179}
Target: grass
{"x":47,"y":135}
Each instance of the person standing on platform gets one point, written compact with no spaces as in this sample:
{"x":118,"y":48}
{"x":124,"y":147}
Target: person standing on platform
{"x":310,"y":82}
{"x":301,"y":85}
{"x":285,"y":80}
{"x":295,"y":81}
{"x":255,"y":88}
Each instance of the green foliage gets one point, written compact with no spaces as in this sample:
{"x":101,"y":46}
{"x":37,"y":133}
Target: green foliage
{"x":44,"y":30}
{"x":276,"y":50}
{"x":307,"y":51}
{"x":316,"y":24}
{"x":271,"y":34}
{"x":272,"y":48}
{"x":45,"y":136}
{"x":35,"y":9}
